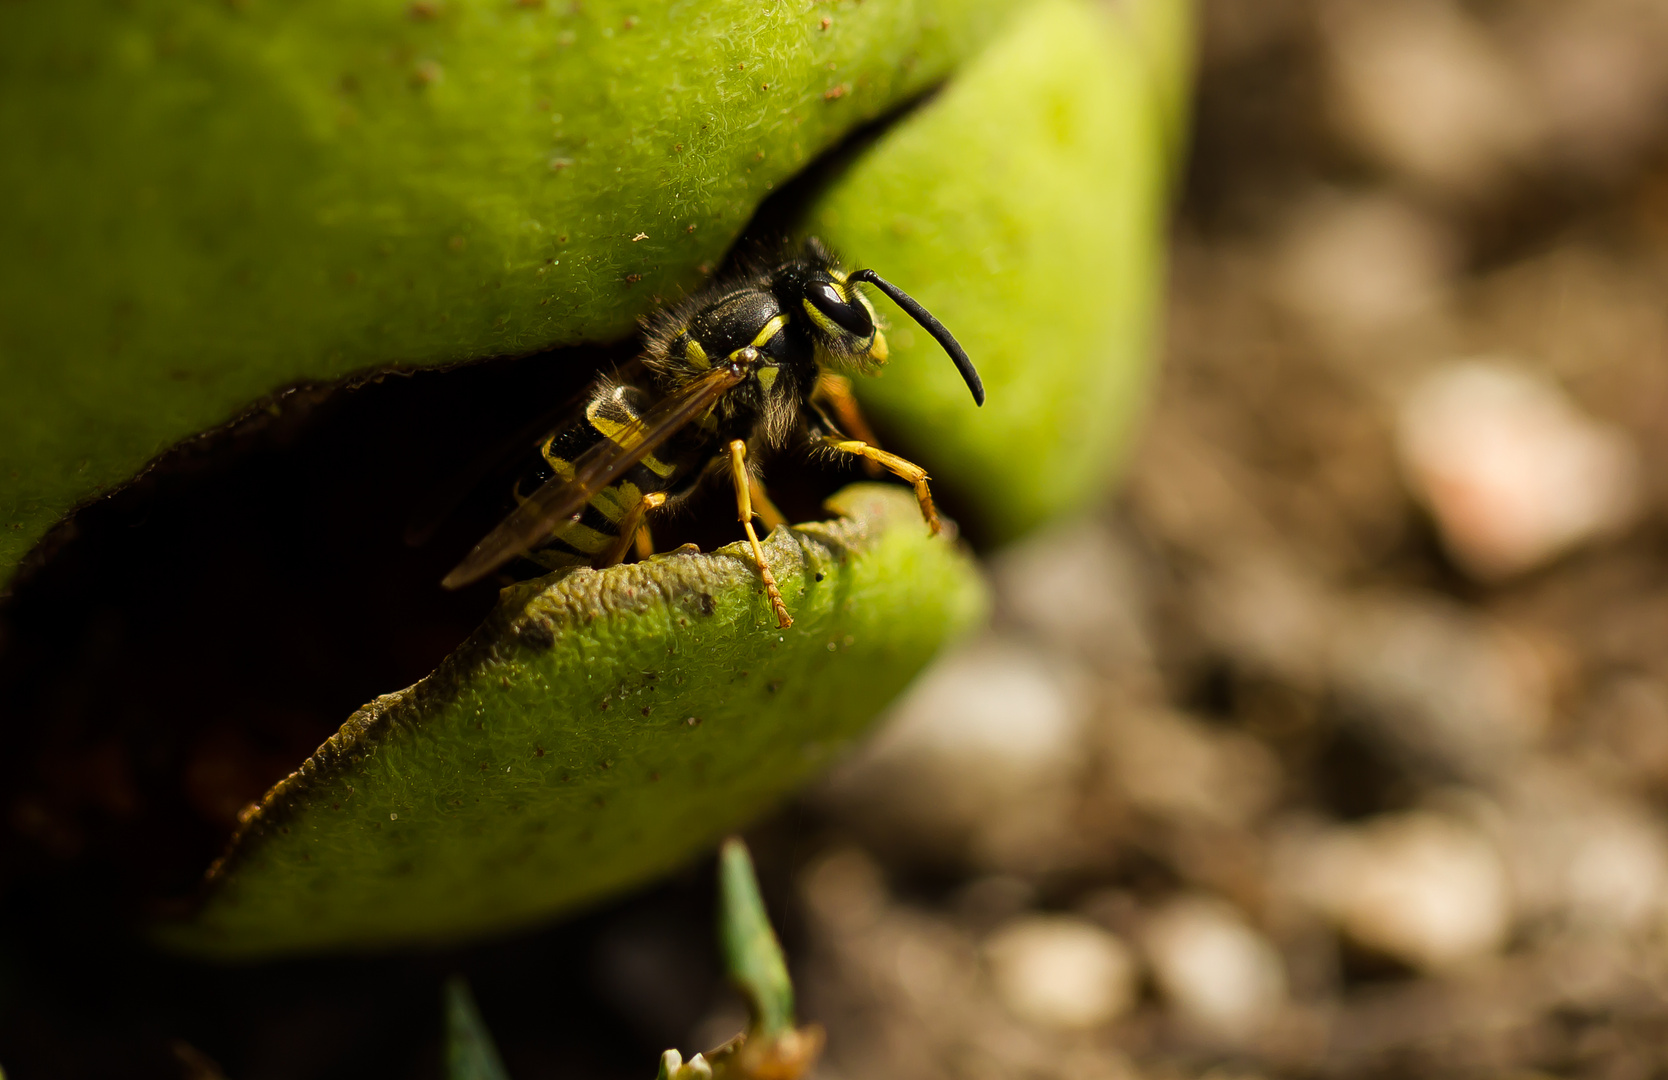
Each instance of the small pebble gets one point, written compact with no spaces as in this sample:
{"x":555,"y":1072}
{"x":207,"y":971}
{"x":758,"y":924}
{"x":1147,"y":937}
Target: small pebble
{"x":1061,"y":972}
{"x":1427,"y":889}
{"x":1581,"y":855}
{"x":1219,"y":973}
{"x":1357,"y":267}
{"x":1422,"y":87}
{"x":983,"y":756}
{"x":1512,"y":472}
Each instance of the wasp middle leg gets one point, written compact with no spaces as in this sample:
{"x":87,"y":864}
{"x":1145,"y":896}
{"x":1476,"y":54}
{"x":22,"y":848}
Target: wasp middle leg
{"x":744,"y":484}
{"x":904,"y":469}
{"x":633,"y":529}
{"x":762,"y":506}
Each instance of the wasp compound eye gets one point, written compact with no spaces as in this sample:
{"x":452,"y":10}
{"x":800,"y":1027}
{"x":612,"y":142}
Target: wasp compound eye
{"x":848,"y":316}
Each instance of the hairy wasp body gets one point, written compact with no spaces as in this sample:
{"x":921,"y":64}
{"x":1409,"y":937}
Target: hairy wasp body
{"x":746,"y":365}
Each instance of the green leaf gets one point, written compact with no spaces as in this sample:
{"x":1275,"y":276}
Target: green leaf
{"x":600,"y":728}
{"x":470,"y":1052}
{"x":1025,"y":207}
{"x":751,"y":952}
{"x":201,"y":203}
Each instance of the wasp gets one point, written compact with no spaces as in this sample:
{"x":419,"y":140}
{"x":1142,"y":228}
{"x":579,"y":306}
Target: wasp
{"x":747,"y":365}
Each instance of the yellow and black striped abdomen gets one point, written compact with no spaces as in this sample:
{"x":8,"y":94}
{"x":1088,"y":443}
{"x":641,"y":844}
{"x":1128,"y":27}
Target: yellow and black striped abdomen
{"x":597,"y":529}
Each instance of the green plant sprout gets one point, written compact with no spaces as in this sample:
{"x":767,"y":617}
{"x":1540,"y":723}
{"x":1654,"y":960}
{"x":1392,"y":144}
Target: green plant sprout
{"x":773,"y":1047}
{"x":470,"y":1053}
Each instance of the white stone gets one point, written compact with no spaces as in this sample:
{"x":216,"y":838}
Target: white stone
{"x":1356,"y":267}
{"x":1061,"y":971}
{"x":1421,"y":86}
{"x":1426,"y":888}
{"x":1512,"y":472}
{"x":1219,"y":973}
{"x":1080,"y":588}
{"x":1582,"y":856}
{"x":983,"y":757}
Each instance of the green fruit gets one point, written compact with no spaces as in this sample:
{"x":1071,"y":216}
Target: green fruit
{"x":1024,"y":207}
{"x":201,"y":203}
{"x":598,"y":729}
{"x":206,"y":203}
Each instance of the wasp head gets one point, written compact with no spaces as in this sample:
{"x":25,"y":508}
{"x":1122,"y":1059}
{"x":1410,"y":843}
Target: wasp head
{"x":842,"y":320}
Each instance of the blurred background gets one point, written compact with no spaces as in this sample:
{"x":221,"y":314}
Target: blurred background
{"x":1336,"y":744}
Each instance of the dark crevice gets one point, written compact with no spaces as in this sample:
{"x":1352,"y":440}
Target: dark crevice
{"x":210,"y":625}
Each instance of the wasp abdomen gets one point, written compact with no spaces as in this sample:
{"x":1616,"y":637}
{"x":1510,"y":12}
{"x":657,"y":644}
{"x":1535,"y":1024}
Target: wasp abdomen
{"x":613,"y":415}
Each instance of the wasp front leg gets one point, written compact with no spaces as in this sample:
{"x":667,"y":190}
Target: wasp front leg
{"x":905,"y":470}
{"x":633,"y":529}
{"x":645,"y":541}
{"x":835,"y":392}
{"x":744,"y":484}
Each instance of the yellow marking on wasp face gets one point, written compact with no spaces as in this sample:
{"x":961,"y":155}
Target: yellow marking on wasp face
{"x":696,"y":355}
{"x":823,"y":322}
{"x":769,"y":330}
{"x":767,"y":376}
{"x":584,"y":538}
{"x":627,"y":435}
{"x":878,"y":351}
{"x":837,"y":274}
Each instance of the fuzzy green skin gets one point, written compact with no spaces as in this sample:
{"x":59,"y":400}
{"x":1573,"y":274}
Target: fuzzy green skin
{"x":203,"y":202}
{"x":434,"y":815}
{"x":1024,"y":207}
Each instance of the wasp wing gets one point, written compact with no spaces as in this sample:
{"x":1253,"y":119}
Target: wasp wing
{"x":538,"y":519}
{"x":458,"y":484}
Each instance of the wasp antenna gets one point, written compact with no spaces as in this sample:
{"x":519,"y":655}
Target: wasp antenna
{"x":932,"y":326}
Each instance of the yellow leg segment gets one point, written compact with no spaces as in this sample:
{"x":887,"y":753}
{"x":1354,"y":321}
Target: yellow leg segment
{"x":744,"y":509}
{"x":906,"y":470}
{"x":645,"y":542}
{"x":835,"y":391}
{"x":762,"y":505}
{"x":630,"y":530}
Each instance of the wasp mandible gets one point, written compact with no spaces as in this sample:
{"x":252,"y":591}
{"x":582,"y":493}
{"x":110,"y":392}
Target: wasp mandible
{"x":749,"y":363}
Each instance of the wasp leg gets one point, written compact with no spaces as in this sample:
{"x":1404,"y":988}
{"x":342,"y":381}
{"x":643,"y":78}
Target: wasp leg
{"x":645,"y":542}
{"x":906,"y":470}
{"x":835,"y":391}
{"x":630,"y":528}
{"x":762,"y":505}
{"x":744,"y":509}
